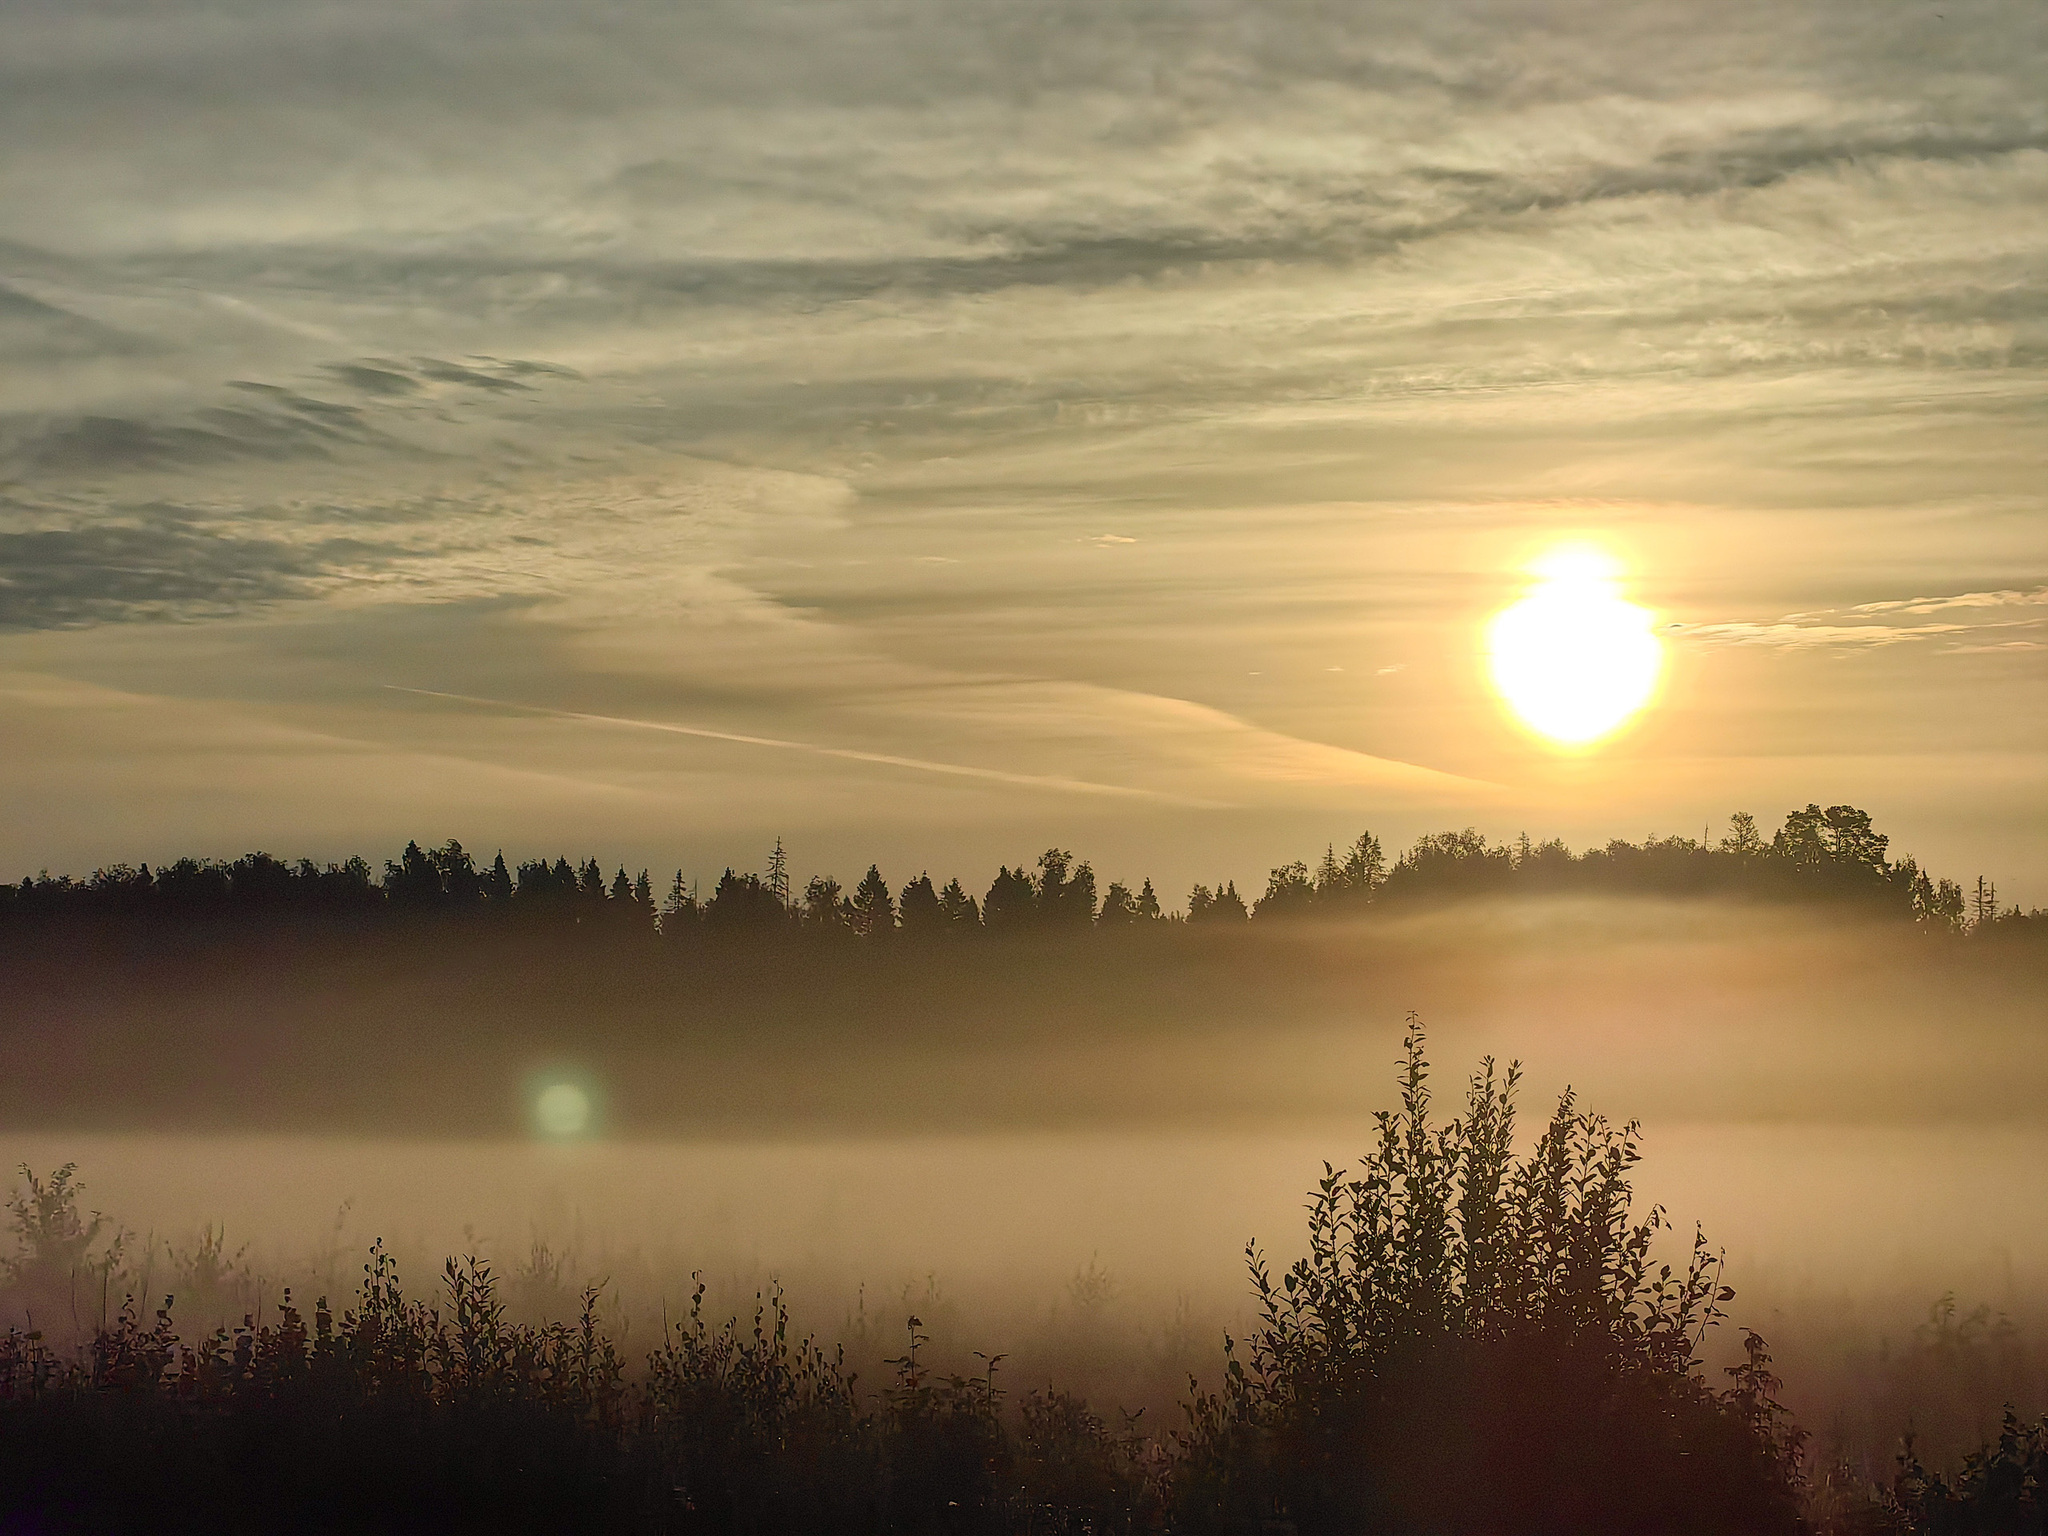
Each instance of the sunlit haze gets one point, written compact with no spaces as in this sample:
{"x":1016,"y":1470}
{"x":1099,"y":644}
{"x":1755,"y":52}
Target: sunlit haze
{"x":920,"y":660}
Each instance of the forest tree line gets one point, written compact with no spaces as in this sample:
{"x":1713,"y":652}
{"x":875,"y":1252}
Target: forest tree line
{"x":1833,"y":855}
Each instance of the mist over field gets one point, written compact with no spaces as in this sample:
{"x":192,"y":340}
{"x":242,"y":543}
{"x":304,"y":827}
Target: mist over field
{"x":1058,"y":1151}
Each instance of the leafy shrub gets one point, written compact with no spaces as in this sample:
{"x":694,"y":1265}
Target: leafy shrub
{"x":2001,"y":1490}
{"x":1479,"y":1342}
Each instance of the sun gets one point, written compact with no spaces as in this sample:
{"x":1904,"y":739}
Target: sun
{"x":1574,"y":659}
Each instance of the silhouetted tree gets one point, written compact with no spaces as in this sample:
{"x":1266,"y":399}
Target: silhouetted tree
{"x":963,"y":915}
{"x":919,"y":910}
{"x":874,"y":911}
{"x":1445,"y":864}
{"x":1289,"y":893}
{"x":1744,"y":841}
{"x":460,"y":883}
{"x":590,"y":892}
{"x":412,"y":880}
{"x":1119,"y":908}
{"x":1064,"y":892}
{"x":1352,"y":880}
{"x":1147,"y":906}
{"x":498,"y":882}
{"x":824,"y":909}
{"x":679,"y":914}
{"x":743,"y":906}
{"x":1983,"y":903}
{"x":1011,"y":903}
{"x":1223,"y":905}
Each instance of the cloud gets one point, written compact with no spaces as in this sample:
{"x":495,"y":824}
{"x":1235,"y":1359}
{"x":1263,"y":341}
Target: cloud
{"x":381,"y":379}
{"x":278,"y":425}
{"x":168,"y":570}
{"x":847,"y":754}
{"x":2006,"y":598}
{"x":456,"y":373}
{"x":1809,"y":631}
{"x":1791,"y":636}
{"x":37,"y":333}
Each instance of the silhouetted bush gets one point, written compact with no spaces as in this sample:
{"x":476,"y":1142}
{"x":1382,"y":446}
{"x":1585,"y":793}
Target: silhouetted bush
{"x":1481,"y":1343}
{"x":2001,"y":1490}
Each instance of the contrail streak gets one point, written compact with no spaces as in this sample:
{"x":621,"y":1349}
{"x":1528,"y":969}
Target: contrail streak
{"x":887,"y":759}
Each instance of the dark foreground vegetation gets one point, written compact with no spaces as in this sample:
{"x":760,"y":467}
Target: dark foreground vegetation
{"x":1474,"y":1341}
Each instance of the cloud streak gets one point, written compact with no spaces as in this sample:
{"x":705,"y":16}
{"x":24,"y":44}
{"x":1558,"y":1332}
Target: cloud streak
{"x":1048,"y":782}
{"x":1808,"y":631}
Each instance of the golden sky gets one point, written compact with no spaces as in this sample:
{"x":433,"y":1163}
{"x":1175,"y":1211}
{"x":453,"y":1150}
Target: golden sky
{"x":932,"y":431}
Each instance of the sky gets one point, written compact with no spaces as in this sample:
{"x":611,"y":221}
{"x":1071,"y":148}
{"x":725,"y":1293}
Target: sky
{"x":929,"y":432}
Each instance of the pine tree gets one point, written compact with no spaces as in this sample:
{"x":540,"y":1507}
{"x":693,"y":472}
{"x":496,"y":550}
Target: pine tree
{"x":679,"y":911}
{"x":1011,"y":902}
{"x":921,"y":912}
{"x":874,"y":910}
{"x":962,"y":913}
{"x":498,"y":883}
{"x":1983,"y":903}
{"x":1365,"y":868}
{"x":778,"y":873}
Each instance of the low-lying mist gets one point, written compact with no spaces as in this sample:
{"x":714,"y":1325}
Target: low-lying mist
{"x":1058,"y":1152}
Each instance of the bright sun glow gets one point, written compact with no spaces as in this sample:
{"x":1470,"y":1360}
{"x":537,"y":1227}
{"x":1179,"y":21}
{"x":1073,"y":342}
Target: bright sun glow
{"x":1573,"y":658}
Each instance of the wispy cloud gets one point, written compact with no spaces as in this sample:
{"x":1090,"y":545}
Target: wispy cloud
{"x":2006,"y":598}
{"x":1791,"y":636}
{"x":815,"y":749}
{"x":1811,"y":631}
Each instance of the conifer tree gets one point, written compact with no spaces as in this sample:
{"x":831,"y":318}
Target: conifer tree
{"x":919,"y":909}
{"x":874,"y":910}
{"x":1011,"y":902}
{"x":962,"y":913}
{"x":498,"y":883}
{"x":679,"y":910}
